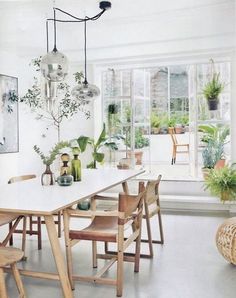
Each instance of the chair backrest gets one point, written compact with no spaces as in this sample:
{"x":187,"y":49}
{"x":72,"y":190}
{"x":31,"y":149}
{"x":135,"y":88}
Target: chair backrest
{"x":173,"y":136}
{"x":152,"y":190}
{"x":128,"y":204}
{"x":21,"y":178}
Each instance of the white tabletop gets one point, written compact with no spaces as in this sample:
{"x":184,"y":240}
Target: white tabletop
{"x":30,"y":197}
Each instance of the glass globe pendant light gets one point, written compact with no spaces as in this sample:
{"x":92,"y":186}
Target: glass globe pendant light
{"x":84,"y":90}
{"x":54,"y":65}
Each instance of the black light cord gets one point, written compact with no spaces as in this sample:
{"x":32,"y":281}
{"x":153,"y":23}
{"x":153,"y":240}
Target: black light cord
{"x":85,"y":53}
{"x":55,"y":30}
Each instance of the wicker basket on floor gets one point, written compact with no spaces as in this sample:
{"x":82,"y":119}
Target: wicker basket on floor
{"x":226,"y":240}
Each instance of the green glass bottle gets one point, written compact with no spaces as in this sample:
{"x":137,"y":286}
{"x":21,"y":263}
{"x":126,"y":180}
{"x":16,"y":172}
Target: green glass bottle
{"x":76,"y":168}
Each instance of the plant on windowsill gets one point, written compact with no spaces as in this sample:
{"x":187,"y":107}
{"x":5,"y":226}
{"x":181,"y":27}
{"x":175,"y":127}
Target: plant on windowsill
{"x":48,"y":177}
{"x":155,"y":123}
{"x":222,"y":183}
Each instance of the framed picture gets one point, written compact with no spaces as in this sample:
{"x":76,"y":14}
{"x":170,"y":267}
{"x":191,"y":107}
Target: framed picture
{"x":9,"y":130}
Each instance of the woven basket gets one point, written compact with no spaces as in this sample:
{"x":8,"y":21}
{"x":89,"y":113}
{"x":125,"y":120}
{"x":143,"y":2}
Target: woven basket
{"x":226,"y":240}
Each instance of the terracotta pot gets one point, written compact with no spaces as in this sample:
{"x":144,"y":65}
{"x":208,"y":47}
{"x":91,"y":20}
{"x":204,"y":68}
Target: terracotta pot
{"x":179,"y":130}
{"x":138,"y":157}
{"x":219,"y":164}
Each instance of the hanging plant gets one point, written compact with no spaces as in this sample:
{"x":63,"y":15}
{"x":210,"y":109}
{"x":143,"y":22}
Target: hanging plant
{"x":212,"y":90}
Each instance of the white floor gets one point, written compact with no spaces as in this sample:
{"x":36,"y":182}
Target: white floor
{"x":188,"y":265}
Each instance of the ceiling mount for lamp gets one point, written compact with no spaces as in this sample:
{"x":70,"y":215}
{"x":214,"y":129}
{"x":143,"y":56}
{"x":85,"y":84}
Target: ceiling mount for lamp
{"x":54,"y":65}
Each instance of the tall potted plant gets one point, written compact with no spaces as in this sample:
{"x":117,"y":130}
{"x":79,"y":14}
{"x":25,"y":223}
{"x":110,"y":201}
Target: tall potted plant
{"x":212,"y":90}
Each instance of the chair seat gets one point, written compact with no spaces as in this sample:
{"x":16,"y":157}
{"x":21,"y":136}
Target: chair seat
{"x":10,"y":255}
{"x":7,"y":218}
{"x":99,"y":230}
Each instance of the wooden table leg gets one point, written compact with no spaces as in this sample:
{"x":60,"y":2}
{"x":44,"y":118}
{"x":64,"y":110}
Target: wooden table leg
{"x":58,"y":256}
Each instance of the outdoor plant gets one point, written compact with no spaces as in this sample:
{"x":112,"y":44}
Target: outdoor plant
{"x":140,"y":140}
{"x":222,"y":183}
{"x":96,"y":146}
{"x":213,"y":152}
{"x":49,"y":159}
{"x":217,"y":133}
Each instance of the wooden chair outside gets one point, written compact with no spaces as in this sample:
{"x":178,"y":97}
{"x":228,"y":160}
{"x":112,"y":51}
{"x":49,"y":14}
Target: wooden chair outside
{"x":32,"y":221}
{"x":107,"y":226}
{"x":176,"y":145}
{"x":8,"y":257}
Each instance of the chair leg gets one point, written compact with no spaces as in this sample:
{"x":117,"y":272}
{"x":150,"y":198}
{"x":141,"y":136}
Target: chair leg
{"x":149,"y":233}
{"x":120,"y":261}
{"x":3,"y":290}
{"x":24,"y":230}
{"x":160,"y":227}
{"x":11,"y":239}
{"x":137,"y":252}
{"x":39,"y":233}
{"x":59,"y":224}
{"x":94,"y":249}
{"x":19,"y":283}
{"x":31,"y":225}
{"x":68,"y":249}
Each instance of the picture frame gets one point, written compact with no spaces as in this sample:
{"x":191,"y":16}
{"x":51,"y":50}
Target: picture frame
{"x":9,"y":114}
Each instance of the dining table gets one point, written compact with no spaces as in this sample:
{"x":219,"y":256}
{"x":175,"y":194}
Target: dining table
{"x":31,"y":198}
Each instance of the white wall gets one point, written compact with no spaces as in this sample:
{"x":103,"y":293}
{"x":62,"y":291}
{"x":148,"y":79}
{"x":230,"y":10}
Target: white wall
{"x":31,"y":130}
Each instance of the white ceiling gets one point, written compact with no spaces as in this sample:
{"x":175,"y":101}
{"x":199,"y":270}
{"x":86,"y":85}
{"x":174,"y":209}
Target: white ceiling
{"x":22,"y":23}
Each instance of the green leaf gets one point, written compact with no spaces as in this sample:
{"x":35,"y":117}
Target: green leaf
{"x":98,"y":156}
{"x":91,"y":165}
{"x":102,"y":138}
{"x":83,"y":141}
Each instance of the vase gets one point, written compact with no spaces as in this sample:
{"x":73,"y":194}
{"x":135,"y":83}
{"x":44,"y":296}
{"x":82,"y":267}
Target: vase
{"x":84,"y":205}
{"x":48,"y":177}
{"x":76,"y":168}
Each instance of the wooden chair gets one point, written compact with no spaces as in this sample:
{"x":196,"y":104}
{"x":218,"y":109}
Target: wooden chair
{"x":32,"y":221}
{"x":107,"y":226}
{"x":9,"y":256}
{"x":176,"y":145}
{"x":151,"y":208}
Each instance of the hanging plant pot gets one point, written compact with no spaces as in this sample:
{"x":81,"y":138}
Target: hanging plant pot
{"x":213,"y":104}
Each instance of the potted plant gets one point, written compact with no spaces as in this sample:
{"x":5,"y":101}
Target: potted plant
{"x":155,"y":123}
{"x":222,"y":183}
{"x":212,"y":90}
{"x":171,"y":123}
{"x":140,"y":142}
{"x":218,"y":135}
{"x":96,"y":146}
{"x":47,"y":177}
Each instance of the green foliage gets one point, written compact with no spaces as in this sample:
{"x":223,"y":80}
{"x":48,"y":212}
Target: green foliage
{"x":48,"y":160}
{"x":64,"y":107}
{"x":140,"y":140}
{"x":217,"y":133}
{"x":102,"y":140}
{"x":172,"y":122}
{"x":213,"y":152}
{"x":222,"y":183}
{"x":213,"y":88}
{"x":79,"y":76}
{"x":155,"y":120}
